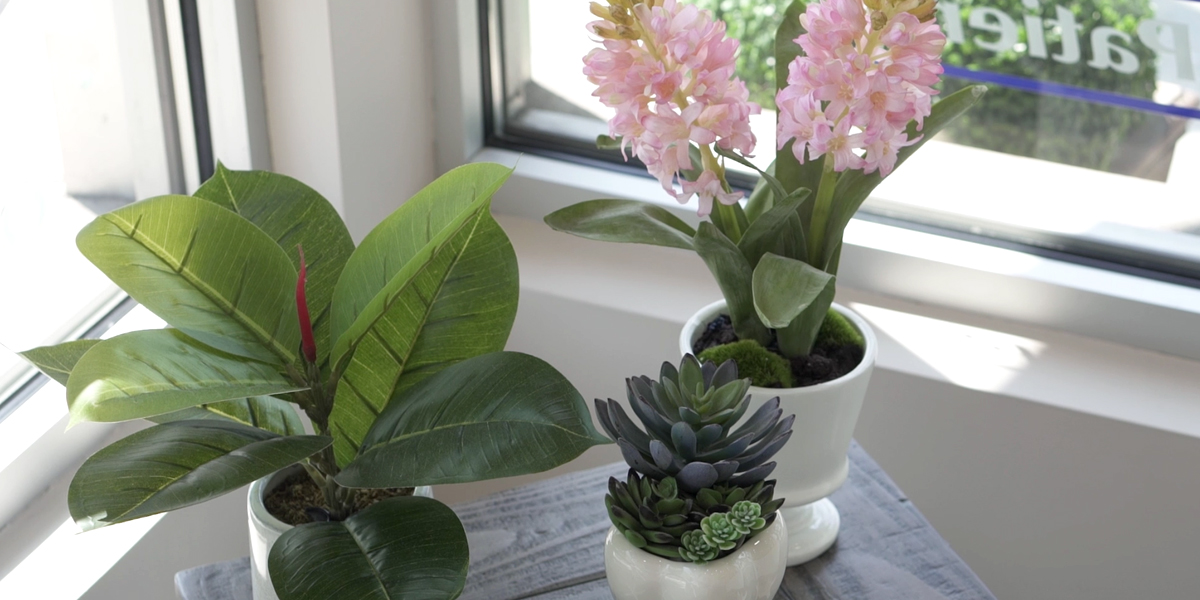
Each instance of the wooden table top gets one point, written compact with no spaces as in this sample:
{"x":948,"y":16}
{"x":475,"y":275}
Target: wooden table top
{"x":546,"y":542}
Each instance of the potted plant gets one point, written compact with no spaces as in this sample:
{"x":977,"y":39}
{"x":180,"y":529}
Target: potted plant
{"x":855,"y":83}
{"x":393,"y":350}
{"x":696,"y":517}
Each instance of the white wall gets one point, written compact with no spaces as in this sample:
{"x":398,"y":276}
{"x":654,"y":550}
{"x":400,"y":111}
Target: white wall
{"x":1043,"y":500}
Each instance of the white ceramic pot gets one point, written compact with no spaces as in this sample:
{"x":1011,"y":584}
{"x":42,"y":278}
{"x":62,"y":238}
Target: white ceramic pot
{"x":814,"y":462}
{"x":265,"y":529}
{"x":754,"y":572}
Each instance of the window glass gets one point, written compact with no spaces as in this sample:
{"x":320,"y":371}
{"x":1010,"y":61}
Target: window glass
{"x":1088,"y":141}
{"x":67,"y":152}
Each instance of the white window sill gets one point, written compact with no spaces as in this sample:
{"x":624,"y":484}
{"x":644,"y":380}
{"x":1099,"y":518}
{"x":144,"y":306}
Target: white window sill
{"x":920,"y":267}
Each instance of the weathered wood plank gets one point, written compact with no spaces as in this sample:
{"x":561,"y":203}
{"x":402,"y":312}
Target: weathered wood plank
{"x":545,"y":542}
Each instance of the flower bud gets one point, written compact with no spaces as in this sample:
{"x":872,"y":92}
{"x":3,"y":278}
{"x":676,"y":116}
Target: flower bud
{"x":878,"y":20}
{"x":926,"y":10}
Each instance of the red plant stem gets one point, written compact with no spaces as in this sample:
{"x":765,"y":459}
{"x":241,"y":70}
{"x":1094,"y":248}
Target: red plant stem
{"x":307,"y":343}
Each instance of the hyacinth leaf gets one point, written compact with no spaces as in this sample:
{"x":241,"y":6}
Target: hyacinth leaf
{"x":788,"y":170}
{"x":453,"y":298}
{"x":776,"y":186}
{"x":798,"y":338}
{"x":204,"y":270}
{"x":623,"y":221}
{"x":853,"y":187}
{"x":148,"y":373}
{"x":785,"y":287}
{"x":497,"y":415}
{"x":58,"y":361}
{"x":761,"y":198}
{"x":263,"y":412}
{"x":734,"y":276}
{"x":293,"y":215}
{"x":606,"y":142}
{"x":406,"y":547}
{"x":779,"y":232}
{"x":171,"y":466}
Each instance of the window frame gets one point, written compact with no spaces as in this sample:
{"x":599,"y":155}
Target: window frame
{"x":1013,"y":280}
{"x":1096,"y":250}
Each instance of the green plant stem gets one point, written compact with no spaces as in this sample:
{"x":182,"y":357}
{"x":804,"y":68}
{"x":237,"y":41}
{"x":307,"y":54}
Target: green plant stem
{"x":323,"y":467}
{"x":728,"y":222}
{"x":820,"y":215}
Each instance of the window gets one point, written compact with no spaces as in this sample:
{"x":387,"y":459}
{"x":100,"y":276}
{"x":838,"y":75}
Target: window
{"x":1084,"y":149}
{"x":88,"y":123}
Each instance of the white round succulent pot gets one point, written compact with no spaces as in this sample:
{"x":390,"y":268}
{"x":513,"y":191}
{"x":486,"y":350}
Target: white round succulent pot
{"x":265,"y":529}
{"x":814,"y":463}
{"x":753,"y":572}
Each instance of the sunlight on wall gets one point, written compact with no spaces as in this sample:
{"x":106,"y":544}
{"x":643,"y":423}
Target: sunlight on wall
{"x":972,"y":357}
{"x":68,"y":564}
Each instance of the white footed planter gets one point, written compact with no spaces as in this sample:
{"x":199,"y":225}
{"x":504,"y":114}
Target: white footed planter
{"x":814,"y":462}
{"x":754,"y":572}
{"x":265,"y":529}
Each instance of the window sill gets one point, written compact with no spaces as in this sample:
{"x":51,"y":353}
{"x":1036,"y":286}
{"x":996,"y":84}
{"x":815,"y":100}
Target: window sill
{"x":919,"y":267}
{"x":945,"y":346}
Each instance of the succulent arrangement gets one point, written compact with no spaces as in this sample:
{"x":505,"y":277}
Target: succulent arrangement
{"x":697,"y":487}
{"x":393,"y":349}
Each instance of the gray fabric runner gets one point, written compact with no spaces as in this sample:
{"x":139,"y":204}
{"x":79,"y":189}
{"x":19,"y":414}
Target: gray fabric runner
{"x":546,"y":542}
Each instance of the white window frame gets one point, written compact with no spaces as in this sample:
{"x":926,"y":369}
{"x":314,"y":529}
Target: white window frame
{"x":882,"y":259}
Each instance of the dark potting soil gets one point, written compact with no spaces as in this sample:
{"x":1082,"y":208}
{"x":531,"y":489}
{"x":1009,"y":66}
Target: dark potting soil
{"x":826,"y":362}
{"x":292,"y":500}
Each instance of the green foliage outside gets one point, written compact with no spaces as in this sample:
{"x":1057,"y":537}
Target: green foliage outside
{"x":753,"y":22}
{"x":1006,"y":120}
{"x":1047,"y":127}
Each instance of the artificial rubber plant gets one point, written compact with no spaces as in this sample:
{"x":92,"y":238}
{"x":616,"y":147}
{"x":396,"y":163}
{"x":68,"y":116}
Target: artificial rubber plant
{"x":855,"y":86}
{"x":392,"y":349}
{"x":697,"y":487}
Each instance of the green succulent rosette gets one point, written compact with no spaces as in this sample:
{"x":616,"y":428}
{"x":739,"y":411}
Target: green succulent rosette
{"x":746,"y":517}
{"x":719,"y":531}
{"x":697,"y":548}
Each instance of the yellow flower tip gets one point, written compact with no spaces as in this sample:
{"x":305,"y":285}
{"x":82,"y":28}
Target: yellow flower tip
{"x":874,"y":5}
{"x":925,"y":11}
{"x":601,"y":11}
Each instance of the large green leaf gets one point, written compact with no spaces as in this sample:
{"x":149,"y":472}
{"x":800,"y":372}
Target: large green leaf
{"x":179,"y":464}
{"x":623,"y":221}
{"x":263,"y":412}
{"x":497,"y":415}
{"x":292,"y":214}
{"x":204,"y":270}
{"x":149,"y":373}
{"x":58,"y":361}
{"x":734,"y":275}
{"x":408,"y":548}
{"x":393,"y":243}
{"x":853,"y":187}
{"x":785,"y":287}
{"x":455,"y":299}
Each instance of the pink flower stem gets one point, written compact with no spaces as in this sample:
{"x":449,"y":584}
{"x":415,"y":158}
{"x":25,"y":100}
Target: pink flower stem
{"x":820,"y":215}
